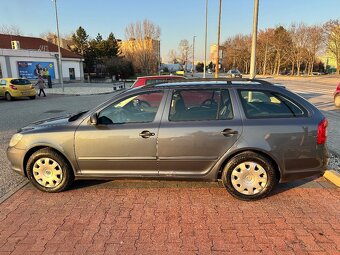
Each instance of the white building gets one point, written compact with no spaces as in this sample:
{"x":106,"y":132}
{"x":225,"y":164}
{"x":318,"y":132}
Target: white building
{"x":26,"y":57}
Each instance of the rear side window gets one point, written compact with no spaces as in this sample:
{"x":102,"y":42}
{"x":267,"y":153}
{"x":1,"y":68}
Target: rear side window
{"x":267,"y":104}
{"x":195,"y":105}
{"x":3,"y":82}
{"x":20,"y":82}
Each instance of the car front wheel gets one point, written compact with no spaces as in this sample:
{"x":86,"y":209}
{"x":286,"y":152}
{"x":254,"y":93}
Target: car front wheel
{"x":249,"y":176}
{"x":337,"y":100}
{"x":49,"y":171}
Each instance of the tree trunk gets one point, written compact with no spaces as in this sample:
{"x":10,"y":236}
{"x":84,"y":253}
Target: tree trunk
{"x":293,"y":67}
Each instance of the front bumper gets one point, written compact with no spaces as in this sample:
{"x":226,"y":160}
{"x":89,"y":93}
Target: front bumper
{"x":16,"y":158}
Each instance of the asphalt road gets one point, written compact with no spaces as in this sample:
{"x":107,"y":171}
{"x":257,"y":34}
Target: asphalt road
{"x":19,"y":113}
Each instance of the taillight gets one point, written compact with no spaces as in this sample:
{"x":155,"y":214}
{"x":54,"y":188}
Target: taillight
{"x":322,"y":131}
{"x":13,"y":87}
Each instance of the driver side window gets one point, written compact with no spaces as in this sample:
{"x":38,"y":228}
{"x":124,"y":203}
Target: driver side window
{"x":138,"y":108}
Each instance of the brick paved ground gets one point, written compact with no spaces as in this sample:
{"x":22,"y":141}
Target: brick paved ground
{"x":127,"y":217}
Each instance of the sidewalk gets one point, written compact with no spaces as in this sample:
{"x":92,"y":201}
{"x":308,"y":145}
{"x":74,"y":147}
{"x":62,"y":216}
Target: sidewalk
{"x":82,"y":88}
{"x":159,"y":217}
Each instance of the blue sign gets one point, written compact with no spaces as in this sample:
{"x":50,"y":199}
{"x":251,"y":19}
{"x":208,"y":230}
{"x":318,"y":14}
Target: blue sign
{"x":31,"y":70}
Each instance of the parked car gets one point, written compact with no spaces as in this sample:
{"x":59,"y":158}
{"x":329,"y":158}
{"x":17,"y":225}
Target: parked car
{"x":149,"y":80}
{"x":11,"y":88}
{"x":234,"y":73}
{"x":247,"y":133}
{"x":337,"y":96}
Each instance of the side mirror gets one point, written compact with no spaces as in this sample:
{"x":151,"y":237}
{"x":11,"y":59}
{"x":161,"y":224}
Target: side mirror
{"x":94,"y":119}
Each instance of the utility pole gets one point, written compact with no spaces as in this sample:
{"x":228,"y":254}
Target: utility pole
{"x":59,"y":52}
{"x":193,"y":55}
{"x":218,"y":40}
{"x":205,"y":38}
{"x":254,"y":37}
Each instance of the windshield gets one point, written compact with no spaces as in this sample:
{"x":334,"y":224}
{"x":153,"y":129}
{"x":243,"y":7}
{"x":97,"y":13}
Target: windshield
{"x":20,"y":82}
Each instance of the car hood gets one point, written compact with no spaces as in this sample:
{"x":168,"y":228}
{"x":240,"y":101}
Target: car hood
{"x":50,"y":123}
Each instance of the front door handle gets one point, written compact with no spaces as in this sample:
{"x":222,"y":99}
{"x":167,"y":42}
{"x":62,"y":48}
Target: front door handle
{"x":146,"y":134}
{"x":229,"y":132}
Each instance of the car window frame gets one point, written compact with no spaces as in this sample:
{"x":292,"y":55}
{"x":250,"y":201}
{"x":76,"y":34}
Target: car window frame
{"x":158,"y":114}
{"x":171,"y":93}
{"x":276,"y":94}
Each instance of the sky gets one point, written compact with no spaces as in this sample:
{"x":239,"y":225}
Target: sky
{"x":178,"y":19}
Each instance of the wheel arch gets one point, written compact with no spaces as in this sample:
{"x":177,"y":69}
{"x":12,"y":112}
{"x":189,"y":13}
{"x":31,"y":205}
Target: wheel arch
{"x":34,"y":149}
{"x":262,"y":153}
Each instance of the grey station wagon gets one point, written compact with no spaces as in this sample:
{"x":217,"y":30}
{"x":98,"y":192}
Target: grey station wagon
{"x":249,"y":133}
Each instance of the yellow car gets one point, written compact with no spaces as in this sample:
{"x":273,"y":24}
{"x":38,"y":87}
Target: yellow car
{"x":16,"y":87}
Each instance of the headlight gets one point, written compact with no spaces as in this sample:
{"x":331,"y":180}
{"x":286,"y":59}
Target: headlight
{"x":15,"y":140}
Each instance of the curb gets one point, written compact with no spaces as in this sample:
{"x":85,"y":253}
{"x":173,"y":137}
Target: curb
{"x":13,"y":191}
{"x":332,"y":176}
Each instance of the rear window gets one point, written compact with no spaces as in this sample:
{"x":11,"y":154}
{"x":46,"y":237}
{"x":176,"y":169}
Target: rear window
{"x":267,"y":104}
{"x":20,"y":82}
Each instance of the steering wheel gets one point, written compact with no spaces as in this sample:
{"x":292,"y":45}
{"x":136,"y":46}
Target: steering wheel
{"x":120,"y":116}
{"x":209,"y":103}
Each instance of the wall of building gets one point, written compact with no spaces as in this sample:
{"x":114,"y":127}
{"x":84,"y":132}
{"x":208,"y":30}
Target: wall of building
{"x":66,"y":64}
{"x":13,"y":56}
{"x":3,"y":67}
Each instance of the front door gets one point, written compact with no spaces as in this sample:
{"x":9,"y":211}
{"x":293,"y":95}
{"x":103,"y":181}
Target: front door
{"x":72,"y":73}
{"x":123,"y":142}
{"x":198,"y":127}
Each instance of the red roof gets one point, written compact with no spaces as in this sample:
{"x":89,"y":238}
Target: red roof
{"x":33,"y":43}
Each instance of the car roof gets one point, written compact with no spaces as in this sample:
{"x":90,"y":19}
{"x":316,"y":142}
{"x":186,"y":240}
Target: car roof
{"x":208,"y":82}
{"x":160,"y":76}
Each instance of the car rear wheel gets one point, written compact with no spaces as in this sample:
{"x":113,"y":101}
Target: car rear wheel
{"x":8,"y":96}
{"x":32,"y":97}
{"x":49,"y":171}
{"x":337,"y":100}
{"x":249,"y":176}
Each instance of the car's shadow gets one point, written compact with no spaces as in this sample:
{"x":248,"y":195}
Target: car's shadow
{"x":307,"y":183}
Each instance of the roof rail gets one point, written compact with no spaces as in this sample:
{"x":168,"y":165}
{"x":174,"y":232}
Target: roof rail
{"x":228,"y":80}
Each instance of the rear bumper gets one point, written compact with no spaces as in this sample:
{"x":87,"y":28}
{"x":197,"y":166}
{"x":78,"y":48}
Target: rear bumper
{"x":303,"y":173}
{"x":16,"y":158}
{"x":26,"y":93}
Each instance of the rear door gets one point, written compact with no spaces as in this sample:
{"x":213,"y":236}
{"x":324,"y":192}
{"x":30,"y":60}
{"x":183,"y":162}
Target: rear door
{"x":197,"y":128}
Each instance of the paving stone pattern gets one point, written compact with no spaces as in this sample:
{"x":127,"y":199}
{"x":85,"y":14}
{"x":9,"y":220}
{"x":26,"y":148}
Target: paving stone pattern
{"x":114,"y":218}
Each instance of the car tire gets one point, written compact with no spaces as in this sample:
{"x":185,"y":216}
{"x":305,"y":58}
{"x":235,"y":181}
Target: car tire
{"x":32,"y":97}
{"x":49,"y":171}
{"x":8,"y":96}
{"x":337,"y":100}
{"x":249,"y":176}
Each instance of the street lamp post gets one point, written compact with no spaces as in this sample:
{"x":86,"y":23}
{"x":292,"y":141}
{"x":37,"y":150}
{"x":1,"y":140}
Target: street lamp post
{"x":205,"y":38}
{"x":193,"y":55}
{"x":59,"y":52}
{"x":218,"y":40}
{"x":254,"y":37}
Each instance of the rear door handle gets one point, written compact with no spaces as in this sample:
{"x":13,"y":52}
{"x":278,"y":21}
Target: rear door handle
{"x":229,"y":132}
{"x":146,"y":134}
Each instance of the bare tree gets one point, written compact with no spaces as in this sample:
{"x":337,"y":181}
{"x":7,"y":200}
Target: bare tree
{"x":10,"y":30}
{"x":313,"y":46}
{"x":332,"y":34}
{"x":142,"y":45}
{"x":185,"y":50}
{"x":173,"y":57}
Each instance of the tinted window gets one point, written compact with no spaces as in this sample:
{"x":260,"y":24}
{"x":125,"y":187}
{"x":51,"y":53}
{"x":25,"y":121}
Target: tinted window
{"x":192,"y":105}
{"x":20,"y":82}
{"x":266,"y":104}
{"x":134,"y":109}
